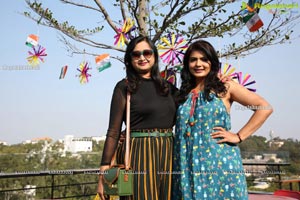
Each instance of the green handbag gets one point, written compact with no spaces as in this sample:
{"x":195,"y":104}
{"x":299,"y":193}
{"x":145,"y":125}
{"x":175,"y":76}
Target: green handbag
{"x":118,"y":179}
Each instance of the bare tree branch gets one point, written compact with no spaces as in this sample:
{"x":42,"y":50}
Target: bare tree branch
{"x":79,"y":5}
{"x":170,"y":19}
{"x":106,"y":15}
{"x":213,"y":19}
{"x":142,"y":17}
{"x":123,"y":9}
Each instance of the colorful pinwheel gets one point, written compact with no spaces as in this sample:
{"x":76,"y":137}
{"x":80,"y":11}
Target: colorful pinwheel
{"x":228,"y":70}
{"x":84,"y":75}
{"x":124,"y":32}
{"x":172,"y":49}
{"x":169,"y":75}
{"x":37,"y":55}
{"x":243,"y":80}
{"x":102,"y":62}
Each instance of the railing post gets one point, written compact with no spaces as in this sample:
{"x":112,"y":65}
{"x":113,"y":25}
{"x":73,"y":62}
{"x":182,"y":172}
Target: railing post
{"x":52,"y":186}
{"x":279,"y":176}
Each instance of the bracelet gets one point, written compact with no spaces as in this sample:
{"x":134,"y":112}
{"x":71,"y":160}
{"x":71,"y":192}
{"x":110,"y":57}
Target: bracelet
{"x":239,"y":137}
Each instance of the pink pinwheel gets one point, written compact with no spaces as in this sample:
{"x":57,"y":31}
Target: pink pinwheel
{"x":84,"y":75}
{"x":243,"y":80}
{"x":227,"y":70}
{"x":37,"y":55}
{"x":172,"y":49}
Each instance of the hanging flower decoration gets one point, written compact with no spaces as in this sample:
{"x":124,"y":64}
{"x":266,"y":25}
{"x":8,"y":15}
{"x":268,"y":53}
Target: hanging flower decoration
{"x":124,"y":32}
{"x":244,"y":81}
{"x":172,"y":49}
{"x":84,"y":75}
{"x":37,"y":55}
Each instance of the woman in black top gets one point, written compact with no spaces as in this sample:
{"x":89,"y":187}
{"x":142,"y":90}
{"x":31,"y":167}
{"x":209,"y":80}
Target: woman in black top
{"x":153,"y":112}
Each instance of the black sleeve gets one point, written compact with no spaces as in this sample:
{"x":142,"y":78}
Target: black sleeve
{"x":175,"y":93}
{"x":116,"y":118}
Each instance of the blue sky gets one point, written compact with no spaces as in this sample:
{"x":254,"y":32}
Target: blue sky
{"x":35,"y":103}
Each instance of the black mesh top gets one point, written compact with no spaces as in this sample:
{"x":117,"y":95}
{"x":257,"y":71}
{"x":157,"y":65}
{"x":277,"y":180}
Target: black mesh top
{"x":148,"y":110}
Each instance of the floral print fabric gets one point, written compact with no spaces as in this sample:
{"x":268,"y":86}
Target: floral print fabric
{"x":203,"y":169}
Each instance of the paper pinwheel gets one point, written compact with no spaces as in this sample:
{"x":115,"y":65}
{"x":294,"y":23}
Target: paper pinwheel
{"x":169,"y":75}
{"x":172,"y":49}
{"x":228,"y":70}
{"x":124,"y":32}
{"x":63,"y":72}
{"x":243,"y":80}
{"x":102,"y":62}
{"x":37,"y":55}
{"x":84,"y":75}
{"x":32,"y":40}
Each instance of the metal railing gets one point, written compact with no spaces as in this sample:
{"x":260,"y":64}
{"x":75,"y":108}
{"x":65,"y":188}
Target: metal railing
{"x":51,"y":184}
{"x":53,"y":189}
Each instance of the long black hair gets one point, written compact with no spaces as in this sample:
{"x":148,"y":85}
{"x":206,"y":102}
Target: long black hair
{"x":133,"y":77}
{"x":211,"y":83}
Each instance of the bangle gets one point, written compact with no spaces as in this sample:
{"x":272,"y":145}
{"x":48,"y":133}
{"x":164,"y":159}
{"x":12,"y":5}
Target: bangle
{"x":239,"y":137}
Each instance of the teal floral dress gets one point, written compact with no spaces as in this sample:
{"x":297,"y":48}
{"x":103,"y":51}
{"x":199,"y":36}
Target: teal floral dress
{"x":203,"y":169}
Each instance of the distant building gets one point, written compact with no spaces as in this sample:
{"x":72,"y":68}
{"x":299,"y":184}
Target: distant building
{"x":74,"y":145}
{"x":276,"y":143}
{"x":36,"y":140}
{"x":98,"y":138}
{"x":30,"y":191}
{"x":3,"y":143}
{"x":261,"y":185}
{"x":260,"y":158}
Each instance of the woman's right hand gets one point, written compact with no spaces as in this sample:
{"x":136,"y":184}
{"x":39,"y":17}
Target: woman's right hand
{"x":100,"y":189}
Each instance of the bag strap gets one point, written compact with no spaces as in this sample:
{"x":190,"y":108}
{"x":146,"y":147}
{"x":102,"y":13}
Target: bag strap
{"x":127,"y":147}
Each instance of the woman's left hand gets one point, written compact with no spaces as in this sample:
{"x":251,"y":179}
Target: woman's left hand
{"x":225,"y":136}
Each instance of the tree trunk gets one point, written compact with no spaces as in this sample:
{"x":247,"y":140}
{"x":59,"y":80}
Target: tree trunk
{"x":142,"y":16}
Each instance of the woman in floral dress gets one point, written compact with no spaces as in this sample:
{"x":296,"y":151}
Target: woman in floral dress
{"x":207,"y":161}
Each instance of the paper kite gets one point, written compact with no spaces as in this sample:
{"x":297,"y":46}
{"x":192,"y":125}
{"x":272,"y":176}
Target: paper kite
{"x":172,"y":49}
{"x":84,"y":75}
{"x":32,"y":40}
{"x":63,"y":72}
{"x":250,"y":15}
{"x":254,"y":5}
{"x":102,"y":62}
{"x":243,"y":80}
{"x":124,"y":32}
{"x":37,"y":55}
{"x":253,"y":22}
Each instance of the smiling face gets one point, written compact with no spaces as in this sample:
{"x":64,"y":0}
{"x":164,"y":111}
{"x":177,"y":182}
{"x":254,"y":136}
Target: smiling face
{"x":142,"y":59}
{"x":199,"y":65}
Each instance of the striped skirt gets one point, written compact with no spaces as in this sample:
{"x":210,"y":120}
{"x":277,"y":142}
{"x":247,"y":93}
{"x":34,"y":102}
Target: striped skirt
{"x":151,"y":162}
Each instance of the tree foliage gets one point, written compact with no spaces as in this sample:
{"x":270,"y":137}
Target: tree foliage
{"x":41,"y":156}
{"x":193,"y":19}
